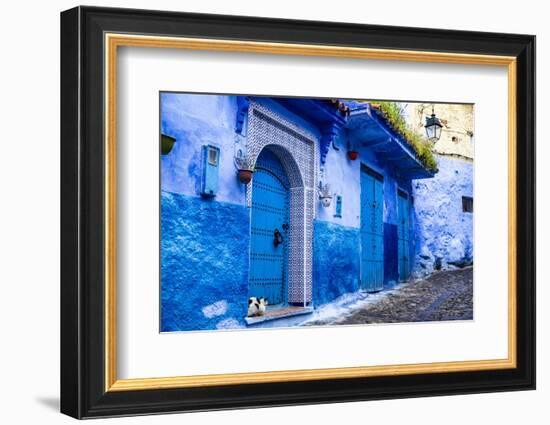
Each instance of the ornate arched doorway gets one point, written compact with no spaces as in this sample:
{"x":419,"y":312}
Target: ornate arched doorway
{"x":286,"y":157}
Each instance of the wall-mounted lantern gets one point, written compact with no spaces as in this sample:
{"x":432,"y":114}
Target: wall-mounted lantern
{"x":245,"y":168}
{"x":325,"y":195}
{"x":433,"y":127}
{"x":166,"y":143}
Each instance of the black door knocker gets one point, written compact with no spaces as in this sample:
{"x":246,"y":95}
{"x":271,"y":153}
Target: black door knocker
{"x":277,"y":238}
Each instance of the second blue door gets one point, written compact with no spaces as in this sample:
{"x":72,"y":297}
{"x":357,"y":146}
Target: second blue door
{"x":403,"y":232}
{"x":269,"y":229}
{"x":372,"y":231}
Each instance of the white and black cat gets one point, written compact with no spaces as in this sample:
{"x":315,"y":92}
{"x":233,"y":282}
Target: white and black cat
{"x":257,"y":306}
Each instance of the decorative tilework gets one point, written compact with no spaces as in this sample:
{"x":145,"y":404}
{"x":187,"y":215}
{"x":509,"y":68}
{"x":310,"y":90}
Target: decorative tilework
{"x":297,"y":149}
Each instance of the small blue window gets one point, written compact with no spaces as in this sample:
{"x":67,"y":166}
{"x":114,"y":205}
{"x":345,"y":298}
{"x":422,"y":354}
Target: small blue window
{"x":338,"y":206}
{"x":210,"y":166}
{"x":213,"y":156}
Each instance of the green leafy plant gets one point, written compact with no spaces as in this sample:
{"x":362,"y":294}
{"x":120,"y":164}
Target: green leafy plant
{"x":391,"y":113}
{"x":167,"y":143}
{"x":245,"y":163}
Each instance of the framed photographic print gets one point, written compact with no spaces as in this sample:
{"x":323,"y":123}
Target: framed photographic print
{"x":261,"y":212}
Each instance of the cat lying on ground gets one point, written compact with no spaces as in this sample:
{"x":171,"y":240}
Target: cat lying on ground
{"x":257,"y":306}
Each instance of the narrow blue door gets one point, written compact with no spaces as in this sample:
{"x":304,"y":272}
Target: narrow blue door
{"x":372,"y":231}
{"x":403,"y":232}
{"x":269,"y":229}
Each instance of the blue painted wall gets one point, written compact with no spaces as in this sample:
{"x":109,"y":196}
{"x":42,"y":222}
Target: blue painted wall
{"x":336,"y":262}
{"x":204,"y":263}
{"x":197,"y":120}
{"x":344,"y":177}
{"x":205,"y":242}
{"x":443,"y":232}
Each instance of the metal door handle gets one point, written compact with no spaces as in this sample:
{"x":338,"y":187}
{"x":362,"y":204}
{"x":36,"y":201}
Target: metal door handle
{"x":277,"y":238}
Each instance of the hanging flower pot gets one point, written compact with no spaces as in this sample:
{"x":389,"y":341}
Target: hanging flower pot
{"x":353,"y":155}
{"x":167,"y":143}
{"x":245,"y":176}
{"x":245,"y":167}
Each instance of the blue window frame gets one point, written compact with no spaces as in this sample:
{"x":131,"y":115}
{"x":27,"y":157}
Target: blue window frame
{"x":338,"y":206}
{"x":210,"y":175}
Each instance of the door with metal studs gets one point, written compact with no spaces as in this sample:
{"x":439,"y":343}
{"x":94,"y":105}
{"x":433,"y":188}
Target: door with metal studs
{"x":403,"y":232}
{"x":372,"y":231}
{"x":269,"y":229}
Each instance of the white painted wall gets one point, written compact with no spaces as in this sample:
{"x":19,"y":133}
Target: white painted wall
{"x":29,"y":225}
{"x":344,"y":178}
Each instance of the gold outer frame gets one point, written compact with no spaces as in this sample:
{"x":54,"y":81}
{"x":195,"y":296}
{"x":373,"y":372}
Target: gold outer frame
{"x":113,"y":41}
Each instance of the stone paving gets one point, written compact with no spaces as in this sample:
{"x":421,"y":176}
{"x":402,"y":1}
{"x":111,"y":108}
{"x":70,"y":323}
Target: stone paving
{"x":446,"y":295}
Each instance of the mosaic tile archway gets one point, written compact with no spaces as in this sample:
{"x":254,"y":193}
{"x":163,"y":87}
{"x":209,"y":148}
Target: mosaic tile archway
{"x":297,"y":150}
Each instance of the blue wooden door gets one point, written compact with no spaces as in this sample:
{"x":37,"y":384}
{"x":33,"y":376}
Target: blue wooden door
{"x":372,"y":231}
{"x":269,"y":229}
{"x":403,"y":236}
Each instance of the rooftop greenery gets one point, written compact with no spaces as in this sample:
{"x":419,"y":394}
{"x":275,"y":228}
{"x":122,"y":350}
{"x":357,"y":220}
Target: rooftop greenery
{"x":391,"y":113}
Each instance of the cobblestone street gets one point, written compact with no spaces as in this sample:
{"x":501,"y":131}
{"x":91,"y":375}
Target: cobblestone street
{"x":446,"y":295}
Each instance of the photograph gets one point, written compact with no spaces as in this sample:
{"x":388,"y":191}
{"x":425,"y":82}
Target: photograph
{"x":281,"y":212}
{"x":282,"y":209}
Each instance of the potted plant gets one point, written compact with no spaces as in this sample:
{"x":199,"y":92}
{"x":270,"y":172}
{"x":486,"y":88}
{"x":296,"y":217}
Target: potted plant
{"x":353,"y":155}
{"x":325,"y":195}
{"x":167,"y":143}
{"x":245,"y":167}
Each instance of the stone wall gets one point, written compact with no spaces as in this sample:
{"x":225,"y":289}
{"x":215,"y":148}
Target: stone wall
{"x":457,"y":134}
{"x":444,"y":233}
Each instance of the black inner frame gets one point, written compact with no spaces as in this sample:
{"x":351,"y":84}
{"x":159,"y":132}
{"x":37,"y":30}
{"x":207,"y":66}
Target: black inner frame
{"x":82,"y":207}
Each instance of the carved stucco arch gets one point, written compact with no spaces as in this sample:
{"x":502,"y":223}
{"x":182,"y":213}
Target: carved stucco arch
{"x":297,"y":150}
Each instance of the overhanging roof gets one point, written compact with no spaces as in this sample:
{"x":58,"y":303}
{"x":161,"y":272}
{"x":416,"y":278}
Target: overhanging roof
{"x":321,"y":112}
{"x":366,"y":129}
